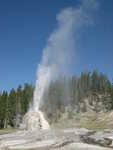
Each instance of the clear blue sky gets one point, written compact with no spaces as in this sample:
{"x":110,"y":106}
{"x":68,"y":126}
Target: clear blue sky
{"x":24,"y":29}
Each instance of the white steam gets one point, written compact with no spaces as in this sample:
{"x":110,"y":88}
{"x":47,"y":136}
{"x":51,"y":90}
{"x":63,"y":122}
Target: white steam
{"x":59,"y":54}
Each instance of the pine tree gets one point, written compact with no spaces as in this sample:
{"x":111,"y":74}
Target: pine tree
{"x":88,"y":83}
{"x":19,"y":97}
{"x":4,"y":109}
{"x":95,"y":81}
{"x":27,"y":97}
{"x":12,"y":107}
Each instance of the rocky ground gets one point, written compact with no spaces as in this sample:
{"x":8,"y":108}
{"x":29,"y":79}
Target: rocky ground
{"x":65,"y":139}
{"x":66,"y":135}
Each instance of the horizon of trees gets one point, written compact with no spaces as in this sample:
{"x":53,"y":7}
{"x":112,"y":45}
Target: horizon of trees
{"x":61,"y":93}
{"x":14,"y":105}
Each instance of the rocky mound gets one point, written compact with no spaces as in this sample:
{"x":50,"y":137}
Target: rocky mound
{"x":35,"y":121}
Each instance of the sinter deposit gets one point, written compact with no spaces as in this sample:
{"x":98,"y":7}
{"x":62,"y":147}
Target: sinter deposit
{"x":35,"y":121}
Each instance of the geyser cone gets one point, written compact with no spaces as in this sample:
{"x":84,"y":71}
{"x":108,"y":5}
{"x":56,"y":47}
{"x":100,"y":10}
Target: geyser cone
{"x":35,"y":121}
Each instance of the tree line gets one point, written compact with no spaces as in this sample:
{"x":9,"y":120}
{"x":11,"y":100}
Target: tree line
{"x":76,"y":93}
{"x":66,"y":91}
{"x":14,"y":105}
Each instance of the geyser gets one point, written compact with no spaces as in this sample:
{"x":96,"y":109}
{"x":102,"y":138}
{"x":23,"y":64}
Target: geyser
{"x":59,"y":53}
{"x":34,"y":119}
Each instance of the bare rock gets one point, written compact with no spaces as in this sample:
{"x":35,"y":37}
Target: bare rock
{"x":62,"y":142}
{"x":79,"y":139}
{"x":98,"y":138}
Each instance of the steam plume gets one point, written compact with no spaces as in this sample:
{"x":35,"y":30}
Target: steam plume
{"x":59,"y":53}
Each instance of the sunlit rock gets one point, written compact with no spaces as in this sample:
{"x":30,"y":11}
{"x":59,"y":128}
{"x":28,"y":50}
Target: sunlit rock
{"x":35,"y":121}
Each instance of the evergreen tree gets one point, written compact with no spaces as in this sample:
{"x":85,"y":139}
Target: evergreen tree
{"x":27,"y":97}
{"x":95,"y":81}
{"x":12,"y":107}
{"x":19,"y":97}
{"x":63,"y":92}
{"x":88,"y":83}
{"x":4,"y":109}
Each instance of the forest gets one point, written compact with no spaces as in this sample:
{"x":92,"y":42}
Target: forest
{"x":63,"y":93}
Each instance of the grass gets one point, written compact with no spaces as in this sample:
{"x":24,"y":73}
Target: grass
{"x":89,"y":120}
{"x":6,"y":131}
{"x":96,"y":121}
{"x":93,"y":125}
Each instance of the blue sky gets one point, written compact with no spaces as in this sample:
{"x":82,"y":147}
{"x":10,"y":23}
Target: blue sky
{"x":25,"y":26}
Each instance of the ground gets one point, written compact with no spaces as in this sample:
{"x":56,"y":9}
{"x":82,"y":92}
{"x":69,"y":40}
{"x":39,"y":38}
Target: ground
{"x":57,"y":139}
{"x":89,"y":131}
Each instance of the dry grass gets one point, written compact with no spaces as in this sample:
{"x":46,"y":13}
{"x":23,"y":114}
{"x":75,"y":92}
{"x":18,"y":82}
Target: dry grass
{"x":89,"y":120}
{"x":6,"y":131}
{"x":97,"y":121}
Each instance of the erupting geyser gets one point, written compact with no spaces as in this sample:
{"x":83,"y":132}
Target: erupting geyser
{"x":34,"y":119}
{"x":42,"y":82}
{"x":58,"y":56}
